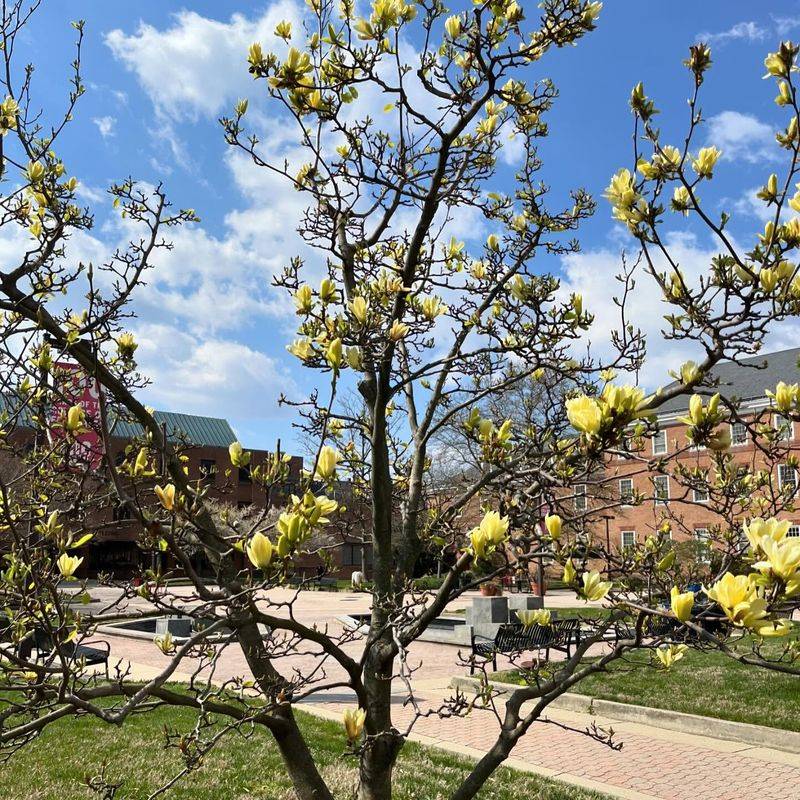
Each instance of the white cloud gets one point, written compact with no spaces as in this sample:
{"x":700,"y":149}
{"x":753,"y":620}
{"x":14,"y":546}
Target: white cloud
{"x":205,"y":59}
{"x":106,"y":125}
{"x":747,"y":31}
{"x":741,"y":137}
{"x":592,"y":274}
{"x":212,"y":376}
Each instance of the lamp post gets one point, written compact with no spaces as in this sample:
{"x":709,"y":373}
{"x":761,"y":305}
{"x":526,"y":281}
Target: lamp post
{"x":607,"y":518}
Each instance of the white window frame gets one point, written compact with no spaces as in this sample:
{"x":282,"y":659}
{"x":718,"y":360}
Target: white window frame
{"x":703,"y":539}
{"x":622,"y":544}
{"x":734,"y":443}
{"x":699,"y":499}
{"x":661,"y":501}
{"x":778,"y":420}
{"x":780,"y":476}
{"x":622,"y":495}
{"x":654,"y":439}
{"x":794,"y":530}
{"x":581,"y":499}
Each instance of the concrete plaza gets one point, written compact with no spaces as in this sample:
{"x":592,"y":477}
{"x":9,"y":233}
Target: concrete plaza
{"x":653,"y":763}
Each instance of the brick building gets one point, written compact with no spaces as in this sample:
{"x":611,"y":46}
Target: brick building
{"x":660,"y":495}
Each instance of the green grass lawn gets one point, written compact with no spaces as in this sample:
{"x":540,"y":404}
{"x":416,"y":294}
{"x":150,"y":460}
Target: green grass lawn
{"x":705,"y":683}
{"x":54,"y":766}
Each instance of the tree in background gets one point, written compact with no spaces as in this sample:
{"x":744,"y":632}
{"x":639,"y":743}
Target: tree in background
{"x":430,"y":334}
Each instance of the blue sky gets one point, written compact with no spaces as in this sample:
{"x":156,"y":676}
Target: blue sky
{"x":212,"y":332}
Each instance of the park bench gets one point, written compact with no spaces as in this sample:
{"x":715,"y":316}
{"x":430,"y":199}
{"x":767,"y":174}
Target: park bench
{"x":513,"y":637}
{"x":90,"y":653}
{"x":327,"y":584}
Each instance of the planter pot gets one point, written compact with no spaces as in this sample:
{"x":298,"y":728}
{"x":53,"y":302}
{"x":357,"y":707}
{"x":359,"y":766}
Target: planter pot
{"x":491,"y":590}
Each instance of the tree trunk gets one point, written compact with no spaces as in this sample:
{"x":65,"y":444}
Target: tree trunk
{"x":308,"y":783}
{"x":300,"y":765}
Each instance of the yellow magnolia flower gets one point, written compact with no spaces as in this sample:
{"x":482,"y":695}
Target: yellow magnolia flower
{"x":35,"y":171}
{"x":538,"y":616}
{"x":283,"y":30}
{"x":737,"y":596}
{"x":594,"y":588}
{"x":453,"y":26}
{"x":166,"y":496}
{"x":777,"y":627}
{"x":165,"y":643}
{"x":479,"y":543}
{"x":259,"y":551}
{"x":585,"y":414}
{"x":76,"y":417}
{"x":493,"y":243}
{"x":304,"y":299}
{"x":68,"y":564}
{"x":705,"y":162}
{"x":354,"y":723}
{"x":326,"y":463}
{"x":758,"y":529}
{"x":785,"y":395}
{"x":301,"y":348}
{"x":126,"y":345}
{"x":432,"y":307}
{"x":553,"y":524}
{"x":238,"y":455}
{"x":569,"y":572}
{"x":327,"y":290}
{"x":494,"y":527}
{"x":359,"y":309}
{"x":398,"y":330}
{"x":782,"y":558}
{"x":670,"y":653}
{"x":353,"y":356}
{"x":333,"y":354}
{"x":681,"y":603}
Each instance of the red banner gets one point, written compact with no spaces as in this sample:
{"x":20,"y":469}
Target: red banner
{"x":74,"y":387}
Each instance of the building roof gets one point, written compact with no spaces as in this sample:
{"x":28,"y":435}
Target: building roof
{"x":189,"y":428}
{"x":748,"y":379}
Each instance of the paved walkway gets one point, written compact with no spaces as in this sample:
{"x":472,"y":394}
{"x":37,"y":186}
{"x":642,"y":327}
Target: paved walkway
{"x":653,"y":764}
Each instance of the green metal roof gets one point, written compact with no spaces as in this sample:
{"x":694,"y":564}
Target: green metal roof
{"x":188,"y":428}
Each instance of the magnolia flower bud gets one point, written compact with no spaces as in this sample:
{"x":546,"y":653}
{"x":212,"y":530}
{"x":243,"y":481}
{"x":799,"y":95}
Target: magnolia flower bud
{"x":553,"y":524}
{"x":681,"y":603}
{"x":326,"y":463}
{"x":259,"y":551}
{"x":166,"y":496}
{"x":238,"y":455}
{"x":76,"y":417}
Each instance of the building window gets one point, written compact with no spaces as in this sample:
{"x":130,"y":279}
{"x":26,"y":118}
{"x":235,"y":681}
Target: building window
{"x":580,"y":497}
{"x":794,"y":531}
{"x":351,"y":555}
{"x":244,"y":474}
{"x":703,"y":544}
{"x":208,"y":469}
{"x":626,"y":490}
{"x":701,"y":494}
{"x":787,"y":478}
{"x":661,"y":488}
{"x":784,"y":427}
{"x":738,"y":433}
{"x":628,"y":539}
{"x":659,"y":443}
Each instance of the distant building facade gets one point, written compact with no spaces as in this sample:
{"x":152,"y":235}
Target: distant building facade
{"x":686,"y":502}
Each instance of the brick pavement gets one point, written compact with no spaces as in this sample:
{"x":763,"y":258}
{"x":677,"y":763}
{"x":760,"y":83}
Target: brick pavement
{"x":653,"y":764}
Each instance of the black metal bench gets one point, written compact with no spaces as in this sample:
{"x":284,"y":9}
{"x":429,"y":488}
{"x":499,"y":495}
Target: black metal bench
{"x":513,"y":637}
{"x":90,"y":653}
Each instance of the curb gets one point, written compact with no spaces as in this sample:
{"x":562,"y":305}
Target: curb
{"x":756,"y":735}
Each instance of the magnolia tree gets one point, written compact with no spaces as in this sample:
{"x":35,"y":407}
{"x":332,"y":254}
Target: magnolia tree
{"x":430,"y":335}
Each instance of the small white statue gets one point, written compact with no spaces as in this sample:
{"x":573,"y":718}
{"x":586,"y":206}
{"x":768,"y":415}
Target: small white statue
{"x":357,"y":579}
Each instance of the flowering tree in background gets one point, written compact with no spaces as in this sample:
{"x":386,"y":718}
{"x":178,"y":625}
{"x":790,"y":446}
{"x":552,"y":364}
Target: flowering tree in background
{"x":430,"y":335}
